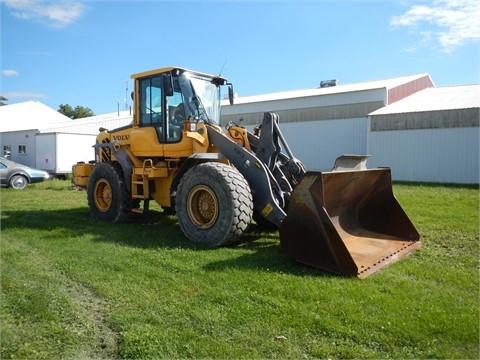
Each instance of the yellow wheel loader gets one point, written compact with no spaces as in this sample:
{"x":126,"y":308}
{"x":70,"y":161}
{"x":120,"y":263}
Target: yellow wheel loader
{"x":346,"y":221}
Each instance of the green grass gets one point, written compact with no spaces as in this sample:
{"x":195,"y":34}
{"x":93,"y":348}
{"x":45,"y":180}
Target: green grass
{"x":73,"y":287}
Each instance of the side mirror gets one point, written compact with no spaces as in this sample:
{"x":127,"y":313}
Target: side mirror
{"x":167,"y":85}
{"x":230,"y":93}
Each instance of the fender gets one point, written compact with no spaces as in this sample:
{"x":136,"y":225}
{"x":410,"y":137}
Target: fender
{"x":188,"y":164}
{"x":122,"y":158}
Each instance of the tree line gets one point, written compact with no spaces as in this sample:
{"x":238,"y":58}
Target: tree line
{"x":75,"y":113}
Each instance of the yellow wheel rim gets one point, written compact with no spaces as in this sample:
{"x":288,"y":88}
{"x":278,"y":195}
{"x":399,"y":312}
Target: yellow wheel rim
{"x":202,"y":206}
{"x":102,"y":195}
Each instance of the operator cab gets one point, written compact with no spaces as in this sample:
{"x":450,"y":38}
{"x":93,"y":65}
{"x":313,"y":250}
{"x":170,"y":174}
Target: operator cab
{"x":168,"y":97}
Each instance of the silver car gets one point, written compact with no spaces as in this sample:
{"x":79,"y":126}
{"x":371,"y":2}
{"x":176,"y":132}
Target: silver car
{"x":18,"y":176}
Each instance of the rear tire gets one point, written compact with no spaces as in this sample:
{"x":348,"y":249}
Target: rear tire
{"x":214,"y":204}
{"x":108,"y":198}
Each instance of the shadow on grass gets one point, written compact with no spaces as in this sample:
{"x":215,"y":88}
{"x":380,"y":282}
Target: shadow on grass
{"x":270,"y":258}
{"x":259,"y":250}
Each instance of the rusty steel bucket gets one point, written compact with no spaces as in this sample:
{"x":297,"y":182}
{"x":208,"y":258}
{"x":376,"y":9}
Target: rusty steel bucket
{"x":347,"y":222}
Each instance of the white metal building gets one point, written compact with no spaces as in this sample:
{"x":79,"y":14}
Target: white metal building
{"x":19,"y":123}
{"x":421,"y":132}
{"x":36,"y":135}
{"x":323,"y":123}
{"x":432,"y":135}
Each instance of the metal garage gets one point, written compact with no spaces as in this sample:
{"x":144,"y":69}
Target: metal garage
{"x":36,"y":135}
{"x":322,"y":123}
{"x":432,"y":135}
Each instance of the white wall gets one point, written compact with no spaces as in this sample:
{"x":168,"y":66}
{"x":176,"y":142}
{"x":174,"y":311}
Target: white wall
{"x":446,"y":155}
{"x":57,"y":152}
{"x":318,"y":143}
{"x":449,"y":155}
{"x":16,"y":138}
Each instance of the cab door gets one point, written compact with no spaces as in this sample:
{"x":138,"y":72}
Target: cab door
{"x":160,"y":116}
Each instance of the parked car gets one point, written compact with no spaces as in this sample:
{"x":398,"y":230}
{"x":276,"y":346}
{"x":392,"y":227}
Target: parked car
{"x":18,"y":176}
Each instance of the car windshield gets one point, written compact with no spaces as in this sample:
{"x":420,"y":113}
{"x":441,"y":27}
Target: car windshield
{"x":203,"y":97}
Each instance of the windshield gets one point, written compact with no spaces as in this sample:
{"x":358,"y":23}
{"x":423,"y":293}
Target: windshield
{"x":203,"y":97}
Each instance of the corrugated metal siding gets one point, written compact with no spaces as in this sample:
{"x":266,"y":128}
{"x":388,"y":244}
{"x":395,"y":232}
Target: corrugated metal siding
{"x":346,"y":99}
{"x":333,"y":112}
{"x":318,"y":143}
{"x":427,"y":120}
{"x":312,"y":108}
{"x":431,"y":155}
{"x":90,"y":127}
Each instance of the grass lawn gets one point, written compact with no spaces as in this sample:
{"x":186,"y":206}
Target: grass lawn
{"x":72,"y":287}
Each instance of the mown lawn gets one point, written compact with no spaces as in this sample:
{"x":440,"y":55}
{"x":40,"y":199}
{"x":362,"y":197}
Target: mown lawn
{"x":72,"y":287}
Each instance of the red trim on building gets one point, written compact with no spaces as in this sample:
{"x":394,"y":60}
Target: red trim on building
{"x":407,"y":89}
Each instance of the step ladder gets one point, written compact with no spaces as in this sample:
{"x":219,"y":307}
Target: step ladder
{"x":140,"y":181}
{"x":141,"y":186}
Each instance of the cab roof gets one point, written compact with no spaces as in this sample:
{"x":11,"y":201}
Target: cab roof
{"x":172,"y":68}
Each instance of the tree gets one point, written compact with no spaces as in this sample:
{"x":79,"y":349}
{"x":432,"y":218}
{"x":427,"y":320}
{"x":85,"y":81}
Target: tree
{"x":81,"y":112}
{"x":77,"y":113}
{"x":2,"y":100}
{"x":66,"y":110}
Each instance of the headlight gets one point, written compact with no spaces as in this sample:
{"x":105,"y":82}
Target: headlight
{"x":191,"y":126}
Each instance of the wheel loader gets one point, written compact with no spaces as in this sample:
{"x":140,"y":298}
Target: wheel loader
{"x":345,"y":221}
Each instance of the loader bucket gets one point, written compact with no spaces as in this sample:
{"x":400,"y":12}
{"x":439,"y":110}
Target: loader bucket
{"x":347,"y":222}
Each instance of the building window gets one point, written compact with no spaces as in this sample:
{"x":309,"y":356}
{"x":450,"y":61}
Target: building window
{"x":22,"y":149}
{"x":6,"y":151}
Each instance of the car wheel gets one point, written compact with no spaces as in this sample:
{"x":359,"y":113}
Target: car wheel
{"x":18,"y":182}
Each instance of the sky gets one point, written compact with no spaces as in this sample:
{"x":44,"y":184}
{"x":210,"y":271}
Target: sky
{"x":82,"y":52}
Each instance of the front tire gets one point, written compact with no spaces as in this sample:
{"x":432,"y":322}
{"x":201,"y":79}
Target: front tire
{"x":18,"y":182}
{"x":214,"y":204}
{"x":108,"y":198}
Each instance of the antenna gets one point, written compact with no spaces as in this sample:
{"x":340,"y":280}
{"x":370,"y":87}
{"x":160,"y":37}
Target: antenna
{"x":126,"y":82}
{"x":220,"y":73}
{"x":126,"y":94}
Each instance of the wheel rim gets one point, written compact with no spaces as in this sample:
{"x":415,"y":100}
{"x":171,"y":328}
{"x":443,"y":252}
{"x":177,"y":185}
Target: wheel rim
{"x":102,"y":195}
{"x":202,"y":206}
{"x":19,"y":182}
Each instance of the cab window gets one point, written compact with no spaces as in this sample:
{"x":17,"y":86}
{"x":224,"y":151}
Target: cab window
{"x":151,"y":101}
{"x":176,"y":113}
